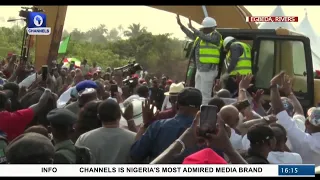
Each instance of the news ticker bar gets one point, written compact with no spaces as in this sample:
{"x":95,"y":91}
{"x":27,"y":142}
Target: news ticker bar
{"x":140,"y":170}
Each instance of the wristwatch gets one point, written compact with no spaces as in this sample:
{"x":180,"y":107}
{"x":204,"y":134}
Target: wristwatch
{"x":243,"y":89}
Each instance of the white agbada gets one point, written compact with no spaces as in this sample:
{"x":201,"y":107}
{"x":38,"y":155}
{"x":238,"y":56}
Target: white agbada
{"x":306,"y":145}
{"x":28,"y":80}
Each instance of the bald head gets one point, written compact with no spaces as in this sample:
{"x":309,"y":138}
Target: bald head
{"x":223,"y":93}
{"x":230,"y":115}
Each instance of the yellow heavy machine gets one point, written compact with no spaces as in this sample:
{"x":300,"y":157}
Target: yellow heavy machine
{"x":272,"y":50}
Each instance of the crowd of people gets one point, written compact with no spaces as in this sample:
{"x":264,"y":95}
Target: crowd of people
{"x":75,"y":116}
{"x":94,"y":126}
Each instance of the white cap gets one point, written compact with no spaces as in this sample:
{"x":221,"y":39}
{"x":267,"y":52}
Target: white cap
{"x":227,"y":40}
{"x":208,"y":22}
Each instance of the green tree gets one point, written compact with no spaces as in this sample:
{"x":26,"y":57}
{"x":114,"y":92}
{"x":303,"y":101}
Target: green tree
{"x":113,"y":35}
{"x":135,"y":30}
{"x":158,"y":54}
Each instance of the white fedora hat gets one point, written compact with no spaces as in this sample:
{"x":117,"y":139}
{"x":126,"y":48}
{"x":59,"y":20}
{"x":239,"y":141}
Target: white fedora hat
{"x":175,"y":89}
{"x":137,"y":112}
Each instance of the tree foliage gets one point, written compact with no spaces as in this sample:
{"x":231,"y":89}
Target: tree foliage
{"x":114,"y":47}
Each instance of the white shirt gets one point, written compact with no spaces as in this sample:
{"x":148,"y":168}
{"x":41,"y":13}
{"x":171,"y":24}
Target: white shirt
{"x":64,"y":98}
{"x":28,"y":80}
{"x":306,"y":145}
{"x":276,"y":157}
{"x":130,"y":99}
{"x":166,"y":104}
{"x":236,"y":140}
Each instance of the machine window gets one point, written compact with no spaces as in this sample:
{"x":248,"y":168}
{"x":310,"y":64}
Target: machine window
{"x":265,"y":64}
{"x":299,"y":58}
{"x":299,"y":67}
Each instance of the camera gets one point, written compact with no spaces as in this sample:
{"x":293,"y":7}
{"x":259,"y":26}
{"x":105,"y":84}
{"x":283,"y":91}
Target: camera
{"x":25,"y":11}
{"x":130,"y":82}
{"x":129,"y":69}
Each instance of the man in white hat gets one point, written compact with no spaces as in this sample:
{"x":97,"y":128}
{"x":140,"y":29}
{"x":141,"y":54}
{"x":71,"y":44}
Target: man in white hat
{"x":170,"y":100}
{"x":206,"y":54}
{"x":174,"y":90}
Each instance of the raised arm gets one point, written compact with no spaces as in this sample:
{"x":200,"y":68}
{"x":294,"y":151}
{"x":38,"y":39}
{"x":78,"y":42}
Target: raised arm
{"x":287,"y":90}
{"x":236,"y":51}
{"x":186,"y":31}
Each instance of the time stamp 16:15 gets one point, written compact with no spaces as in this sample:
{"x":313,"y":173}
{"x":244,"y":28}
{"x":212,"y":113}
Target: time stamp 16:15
{"x":296,"y":170}
{"x":37,"y":24}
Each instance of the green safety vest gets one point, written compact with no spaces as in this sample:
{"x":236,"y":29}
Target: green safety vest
{"x":243,"y":66}
{"x":209,"y":53}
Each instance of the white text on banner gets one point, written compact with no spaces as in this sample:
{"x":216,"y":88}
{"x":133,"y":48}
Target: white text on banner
{"x":139,"y":170}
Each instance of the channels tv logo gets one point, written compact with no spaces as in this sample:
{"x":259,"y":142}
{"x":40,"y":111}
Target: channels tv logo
{"x":37,"y":24}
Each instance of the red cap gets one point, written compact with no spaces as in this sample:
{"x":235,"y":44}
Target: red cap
{"x":135,"y":76}
{"x":169,"y":81}
{"x":205,"y":156}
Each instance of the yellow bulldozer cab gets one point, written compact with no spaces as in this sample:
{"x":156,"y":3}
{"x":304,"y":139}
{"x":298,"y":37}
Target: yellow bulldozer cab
{"x":274,"y":51}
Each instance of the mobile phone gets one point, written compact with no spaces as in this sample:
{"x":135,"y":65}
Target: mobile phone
{"x":242,"y":105}
{"x":208,"y":119}
{"x":72,"y":64}
{"x":113,"y":89}
{"x":44,"y":72}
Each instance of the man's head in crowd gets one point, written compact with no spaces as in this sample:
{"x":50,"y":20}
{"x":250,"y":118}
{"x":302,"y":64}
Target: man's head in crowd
{"x":100,"y":89}
{"x":78,"y":76}
{"x":72,"y":73}
{"x":95,"y":76}
{"x":262,"y":140}
{"x":84,"y":62}
{"x":143,"y":91}
{"x":109,"y":112}
{"x":63,"y":72}
{"x":216,"y":101}
{"x":14,"y":88}
{"x":55,"y":72}
{"x":155,"y":83}
{"x":87,"y":95}
{"x":107,"y":76}
{"x":189,"y":101}
{"x":99,"y":73}
{"x":230,"y":114}
{"x":30,"y":148}
{"x":280,"y":134}
{"x":38,"y":129}
{"x":313,"y":121}
{"x":61,"y":124}
{"x":5,"y":103}
{"x":204,"y":156}
{"x":134,"y":83}
{"x":164,"y":79}
{"x":88,"y":119}
{"x":223,"y":93}
{"x":173,"y":92}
